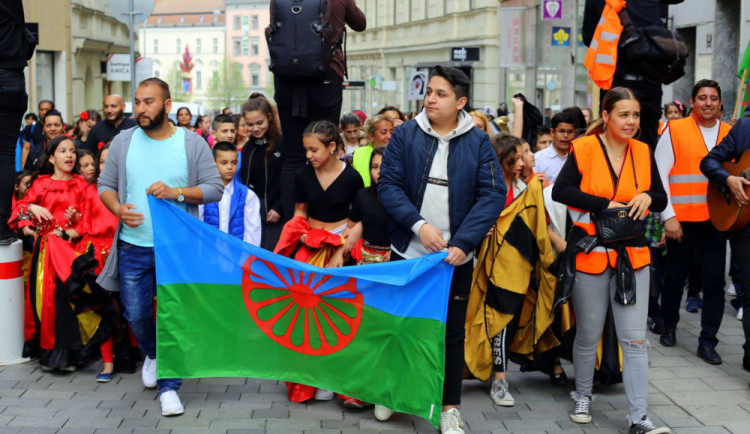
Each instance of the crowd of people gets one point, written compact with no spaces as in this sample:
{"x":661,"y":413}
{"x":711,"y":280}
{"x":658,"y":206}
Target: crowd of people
{"x":378,"y":189}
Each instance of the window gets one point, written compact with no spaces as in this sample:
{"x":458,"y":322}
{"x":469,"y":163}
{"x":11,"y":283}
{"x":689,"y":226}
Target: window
{"x":244,"y":45}
{"x":156,"y":46}
{"x":254,"y":22}
{"x":198,"y":79}
{"x":254,"y":44}
{"x":254,"y":75}
{"x":236,"y":22}
{"x":179,"y":45}
{"x":198,"y":44}
{"x":216,"y":45}
{"x":236,"y":46}
{"x":244,"y":23}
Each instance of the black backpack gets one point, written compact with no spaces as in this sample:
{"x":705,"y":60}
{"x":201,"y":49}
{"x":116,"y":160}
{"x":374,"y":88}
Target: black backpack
{"x":300,"y":38}
{"x":654,"y":51}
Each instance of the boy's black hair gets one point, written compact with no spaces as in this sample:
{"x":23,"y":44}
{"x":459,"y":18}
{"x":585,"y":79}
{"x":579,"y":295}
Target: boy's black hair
{"x":158,"y":82}
{"x":223,"y":147}
{"x":543,"y":130}
{"x":221,"y":119}
{"x":564,"y":117}
{"x":580,"y":119}
{"x":392,"y":108}
{"x":33,"y":117}
{"x":326,"y":132}
{"x":458,"y":80}
{"x":705,"y":83}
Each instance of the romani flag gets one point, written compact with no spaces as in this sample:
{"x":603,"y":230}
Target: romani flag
{"x":743,"y":73}
{"x":230,"y":309}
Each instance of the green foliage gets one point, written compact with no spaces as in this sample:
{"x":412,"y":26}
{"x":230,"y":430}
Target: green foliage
{"x":227,"y":87}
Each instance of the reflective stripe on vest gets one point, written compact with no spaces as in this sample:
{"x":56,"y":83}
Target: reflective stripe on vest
{"x":597,"y":180}
{"x":687,"y":185}
{"x":601,"y":57}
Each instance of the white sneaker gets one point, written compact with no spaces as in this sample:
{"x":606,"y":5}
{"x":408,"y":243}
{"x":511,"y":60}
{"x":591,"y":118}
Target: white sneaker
{"x":739,"y":314}
{"x":323,"y":395}
{"x":382,"y":413}
{"x":500,"y":394}
{"x":170,"y":404}
{"x":450,"y":422}
{"x":148,"y":373}
{"x":731,"y":291}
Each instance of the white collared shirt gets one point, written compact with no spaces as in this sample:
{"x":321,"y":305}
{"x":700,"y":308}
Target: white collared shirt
{"x":549,"y":162}
{"x":251,"y":222}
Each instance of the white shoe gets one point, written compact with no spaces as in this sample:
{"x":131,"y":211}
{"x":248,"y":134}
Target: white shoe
{"x":739,"y":314}
{"x":450,"y":422}
{"x":170,"y":404}
{"x":382,"y":413}
{"x":323,"y":395}
{"x":500,"y":394}
{"x":148,"y":373}
{"x":731,"y":291}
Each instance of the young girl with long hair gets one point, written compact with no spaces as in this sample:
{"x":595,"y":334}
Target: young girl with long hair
{"x":325,"y":189}
{"x":260,"y":165}
{"x":87,"y":166}
{"x":608,"y":168}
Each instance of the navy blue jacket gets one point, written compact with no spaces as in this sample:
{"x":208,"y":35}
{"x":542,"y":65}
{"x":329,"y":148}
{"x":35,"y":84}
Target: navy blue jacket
{"x":732,"y":147}
{"x":476,"y":188}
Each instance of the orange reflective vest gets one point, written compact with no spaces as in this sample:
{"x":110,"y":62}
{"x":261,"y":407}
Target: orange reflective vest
{"x":597,"y":180}
{"x":687,"y":184}
{"x":601,"y":58}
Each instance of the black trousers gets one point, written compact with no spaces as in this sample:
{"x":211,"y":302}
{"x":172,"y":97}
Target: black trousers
{"x":454,"y":330}
{"x":12,"y":107}
{"x":741,"y":248}
{"x":649,"y":93}
{"x":300,"y":103}
{"x":704,"y":238}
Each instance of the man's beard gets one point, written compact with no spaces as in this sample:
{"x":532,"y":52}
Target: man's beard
{"x":118,"y":118}
{"x":155,"y":123}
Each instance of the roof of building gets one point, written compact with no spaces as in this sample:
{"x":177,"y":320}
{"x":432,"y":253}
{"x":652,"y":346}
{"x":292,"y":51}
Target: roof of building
{"x":187,"y":13}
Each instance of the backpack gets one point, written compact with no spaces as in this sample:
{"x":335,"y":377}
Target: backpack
{"x":300,"y":38}
{"x":654,"y":51}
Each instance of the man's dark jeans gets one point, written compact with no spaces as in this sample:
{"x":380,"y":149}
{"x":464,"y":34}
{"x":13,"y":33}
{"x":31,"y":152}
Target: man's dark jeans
{"x":12,"y":107}
{"x":704,"y":238}
{"x":741,"y":248}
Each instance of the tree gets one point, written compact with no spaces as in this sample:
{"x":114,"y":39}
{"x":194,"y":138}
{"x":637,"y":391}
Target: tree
{"x":227,"y":86}
{"x":176,"y":88}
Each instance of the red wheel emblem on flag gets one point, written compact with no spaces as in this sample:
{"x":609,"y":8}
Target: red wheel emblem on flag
{"x":304,"y":312}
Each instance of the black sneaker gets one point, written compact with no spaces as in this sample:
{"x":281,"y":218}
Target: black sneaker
{"x":645,"y":426}
{"x":667,"y":337}
{"x":656,"y":325}
{"x":709,"y":355}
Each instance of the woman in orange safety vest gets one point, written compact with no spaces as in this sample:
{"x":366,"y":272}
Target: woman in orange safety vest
{"x":608,"y":168}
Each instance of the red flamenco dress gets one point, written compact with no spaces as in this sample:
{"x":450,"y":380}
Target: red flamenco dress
{"x":53,"y":331}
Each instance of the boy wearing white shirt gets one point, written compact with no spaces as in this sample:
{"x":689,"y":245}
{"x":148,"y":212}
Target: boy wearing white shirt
{"x":238,"y":211}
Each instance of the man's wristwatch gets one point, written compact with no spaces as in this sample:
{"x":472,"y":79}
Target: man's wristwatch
{"x":180,"y":196}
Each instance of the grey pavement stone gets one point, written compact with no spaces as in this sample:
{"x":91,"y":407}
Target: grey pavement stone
{"x":340,"y":424}
{"x":322,"y":431}
{"x":76,"y":431}
{"x":114,"y":431}
{"x":84,"y":422}
{"x":28,"y":411}
{"x":274,"y":424}
{"x":73,"y":403}
{"x":36,"y":430}
{"x":116,"y":403}
{"x":150,"y":431}
{"x":246,"y":431}
{"x":38,"y":421}
{"x":396,"y":422}
{"x":270,"y":414}
{"x":128,"y":413}
{"x":141,"y":422}
{"x":242,"y":423}
{"x":184,"y":421}
{"x":198,"y":430}
{"x":87,"y":414}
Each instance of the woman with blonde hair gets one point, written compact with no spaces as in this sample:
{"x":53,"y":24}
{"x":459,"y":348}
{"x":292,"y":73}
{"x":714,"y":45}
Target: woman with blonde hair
{"x":481,"y":121}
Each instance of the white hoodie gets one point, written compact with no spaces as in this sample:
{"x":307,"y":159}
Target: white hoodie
{"x":435,"y":202}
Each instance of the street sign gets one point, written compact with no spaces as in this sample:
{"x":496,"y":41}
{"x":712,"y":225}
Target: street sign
{"x":118,"y":67}
{"x":120,"y":10}
{"x":561,"y":36}
{"x":511,"y":37}
{"x":354,"y":85}
{"x":551,"y":10}
{"x":465,"y":54}
{"x":417,"y":86}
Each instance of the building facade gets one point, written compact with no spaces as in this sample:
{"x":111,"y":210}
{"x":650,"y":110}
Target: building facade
{"x":246,"y":21}
{"x":75,"y":38}
{"x":403,"y":37}
{"x":177,"y":25}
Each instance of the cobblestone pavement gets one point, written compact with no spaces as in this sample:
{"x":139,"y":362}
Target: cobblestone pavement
{"x":685,"y":393}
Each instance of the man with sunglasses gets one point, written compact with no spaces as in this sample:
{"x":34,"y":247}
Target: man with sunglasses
{"x":550,"y":160}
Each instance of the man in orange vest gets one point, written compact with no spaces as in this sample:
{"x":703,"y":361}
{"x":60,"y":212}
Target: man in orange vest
{"x":686,"y":221}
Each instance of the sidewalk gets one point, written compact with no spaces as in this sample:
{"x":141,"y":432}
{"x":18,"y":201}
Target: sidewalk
{"x":685,"y":393}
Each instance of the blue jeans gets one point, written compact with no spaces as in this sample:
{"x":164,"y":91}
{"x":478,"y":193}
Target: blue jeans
{"x":137,"y":292}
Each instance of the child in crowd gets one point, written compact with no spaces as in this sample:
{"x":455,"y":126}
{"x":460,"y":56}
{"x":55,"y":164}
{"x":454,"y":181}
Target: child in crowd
{"x":223,"y":129}
{"x":325,"y":189}
{"x":672,"y":111}
{"x":24,"y":179}
{"x":543,"y":138}
{"x":102,"y":157}
{"x":238,"y":211}
{"x":379,"y":129}
{"x":87,"y":166}
{"x":394,"y":113}
{"x":350,"y":127}
{"x":260,"y":167}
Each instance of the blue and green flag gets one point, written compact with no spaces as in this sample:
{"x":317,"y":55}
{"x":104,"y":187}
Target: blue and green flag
{"x":230,"y":309}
